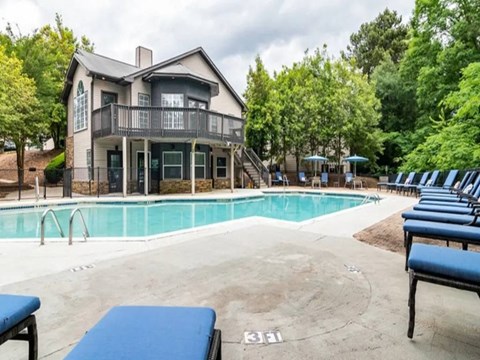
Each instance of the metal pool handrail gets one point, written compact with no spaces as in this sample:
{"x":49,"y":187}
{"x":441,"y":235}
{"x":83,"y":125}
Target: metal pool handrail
{"x":42,"y":223}
{"x":70,"y":227}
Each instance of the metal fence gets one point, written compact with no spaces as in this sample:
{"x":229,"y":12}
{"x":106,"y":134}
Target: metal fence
{"x":34,"y":184}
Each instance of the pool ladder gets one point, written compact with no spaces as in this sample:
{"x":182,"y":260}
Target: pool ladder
{"x":59,"y":228}
{"x":375,"y":197}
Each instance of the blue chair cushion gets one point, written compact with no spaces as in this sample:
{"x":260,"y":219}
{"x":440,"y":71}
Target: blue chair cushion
{"x":453,"y":231}
{"x":445,"y":262}
{"x":446,"y":209}
{"x":439,"y":217}
{"x":437,"y":202}
{"x":15,"y":308}
{"x":149,"y":332}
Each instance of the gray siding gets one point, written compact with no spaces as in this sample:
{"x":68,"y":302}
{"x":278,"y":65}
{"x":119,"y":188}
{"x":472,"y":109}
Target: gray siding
{"x":189,"y":89}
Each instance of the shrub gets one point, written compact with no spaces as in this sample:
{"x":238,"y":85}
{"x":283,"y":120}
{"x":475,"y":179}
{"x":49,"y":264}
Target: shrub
{"x":54,"y":169}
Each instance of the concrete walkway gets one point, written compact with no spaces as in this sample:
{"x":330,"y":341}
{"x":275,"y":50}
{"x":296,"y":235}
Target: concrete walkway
{"x":329,"y":295}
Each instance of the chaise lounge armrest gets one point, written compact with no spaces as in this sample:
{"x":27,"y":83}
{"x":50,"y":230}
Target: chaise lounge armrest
{"x":16,"y":314}
{"x":443,"y":266}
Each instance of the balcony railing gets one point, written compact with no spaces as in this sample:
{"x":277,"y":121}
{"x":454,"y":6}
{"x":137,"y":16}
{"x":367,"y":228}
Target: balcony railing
{"x":156,"y":122}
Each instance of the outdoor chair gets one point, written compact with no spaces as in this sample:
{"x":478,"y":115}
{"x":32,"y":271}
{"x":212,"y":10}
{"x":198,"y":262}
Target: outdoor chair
{"x":443,"y":266}
{"x":382,"y":182}
{"x":471,"y":192}
{"x":442,"y":217}
{"x":152,"y":332}
{"x":393,"y":185}
{"x":412,"y":188}
{"x":302,"y":179}
{"x":439,"y":231}
{"x":409,"y":180}
{"x":468,"y":178}
{"x":348,"y":179}
{"x":16,"y":314}
{"x":324,"y":179}
{"x":280,"y":179}
{"x":447,"y":184}
{"x":431,"y":182}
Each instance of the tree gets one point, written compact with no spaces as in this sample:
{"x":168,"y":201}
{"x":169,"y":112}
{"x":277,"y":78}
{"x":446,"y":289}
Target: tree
{"x":46,"y":54}
{"x":386,"y":35}
{"x":445,"y":40}
{"x":455,"y":142}
{"x":259,"y":128}
{"x":18,"y":105}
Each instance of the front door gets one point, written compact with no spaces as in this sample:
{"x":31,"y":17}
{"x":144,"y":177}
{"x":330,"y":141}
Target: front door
{"x":115,"y":171}
{"x":141,"y":171}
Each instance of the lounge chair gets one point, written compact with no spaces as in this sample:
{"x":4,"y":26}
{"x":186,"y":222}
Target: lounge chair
{"x":431,"y":182}
{"x":393,"y":185}
{"x":302,"y":179}
{"x":409,"y":180}
{"x":412,"y":188}
{"x":16,"y":314}
{"x":469,"y":193}
{"x":324,"y":179}
{"x":469,"y":178}
{"x":447,"y":184}
{"x":442,"y":266}
{"x":280,"y":179}
{"x":152,"y":332}
{"x":440,"y":231}
{"x":442,"y":217}
{"x":348,"y":179}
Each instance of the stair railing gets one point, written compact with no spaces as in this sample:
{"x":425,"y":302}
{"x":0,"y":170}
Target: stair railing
{"x":257,"y":163}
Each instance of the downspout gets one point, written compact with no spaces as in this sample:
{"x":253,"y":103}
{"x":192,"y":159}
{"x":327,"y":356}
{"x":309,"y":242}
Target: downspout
{"x":92,"y":152}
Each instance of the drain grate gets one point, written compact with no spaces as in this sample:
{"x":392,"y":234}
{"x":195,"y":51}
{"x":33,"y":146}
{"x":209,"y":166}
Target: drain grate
{"x":352,"y":268}
{"x":82,"y":267}
{"x":262,"y":337}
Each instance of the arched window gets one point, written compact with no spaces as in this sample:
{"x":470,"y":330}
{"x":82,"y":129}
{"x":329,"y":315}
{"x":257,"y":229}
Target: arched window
{"x":80,"y":108}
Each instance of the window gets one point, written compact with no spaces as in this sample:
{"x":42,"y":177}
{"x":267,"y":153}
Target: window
{"x":172,"y":165}
{"x":89,"y":163}
{"x":215,"y":123}
{"x":221,"y":167}
{"x":80,"y":108}
{"x":173,"y":119}
{"x":199,"y":165}
{"x":143,"y":115}
{"x":108,"y":98}
{"x":197,"y":104}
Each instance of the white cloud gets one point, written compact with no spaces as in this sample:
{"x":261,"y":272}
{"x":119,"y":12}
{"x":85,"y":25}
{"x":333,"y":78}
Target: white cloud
{"x":231,"y":32}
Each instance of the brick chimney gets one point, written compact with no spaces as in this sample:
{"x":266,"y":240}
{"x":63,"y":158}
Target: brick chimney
{"x":143,"y":57}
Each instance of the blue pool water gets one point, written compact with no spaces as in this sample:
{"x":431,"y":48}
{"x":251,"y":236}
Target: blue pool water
{"x":135,"y":220}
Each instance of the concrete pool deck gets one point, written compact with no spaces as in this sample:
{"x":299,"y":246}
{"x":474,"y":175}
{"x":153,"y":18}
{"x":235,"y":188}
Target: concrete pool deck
{"x":258,"y":274}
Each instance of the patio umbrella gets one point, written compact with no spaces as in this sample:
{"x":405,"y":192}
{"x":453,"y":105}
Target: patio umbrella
{"x":355,"y":159}
{"x":315,"y":159}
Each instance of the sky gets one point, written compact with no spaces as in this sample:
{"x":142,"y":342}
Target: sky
{"x":231,"y":32}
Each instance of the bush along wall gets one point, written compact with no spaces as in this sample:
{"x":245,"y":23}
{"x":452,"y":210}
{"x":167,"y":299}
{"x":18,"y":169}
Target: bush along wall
{"x":54,"y":169}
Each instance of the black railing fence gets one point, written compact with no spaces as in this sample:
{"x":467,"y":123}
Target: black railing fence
{"x":139,"y":121}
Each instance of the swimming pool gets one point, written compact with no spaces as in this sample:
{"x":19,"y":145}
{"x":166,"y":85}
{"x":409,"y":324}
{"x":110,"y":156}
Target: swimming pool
{"x":126,"y":220}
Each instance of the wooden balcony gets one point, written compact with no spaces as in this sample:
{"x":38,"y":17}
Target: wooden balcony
{"x":162,"y":122}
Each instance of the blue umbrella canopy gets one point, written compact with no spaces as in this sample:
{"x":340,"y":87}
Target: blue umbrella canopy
{"x":354,"y":159}
{"x":316,"y":158}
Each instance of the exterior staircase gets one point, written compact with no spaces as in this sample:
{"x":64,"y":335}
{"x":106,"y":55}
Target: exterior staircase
{"x":254,"y":168}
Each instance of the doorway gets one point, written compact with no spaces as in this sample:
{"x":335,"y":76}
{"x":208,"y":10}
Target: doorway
{"x":141,"y":171}
{"x":114,"y":171}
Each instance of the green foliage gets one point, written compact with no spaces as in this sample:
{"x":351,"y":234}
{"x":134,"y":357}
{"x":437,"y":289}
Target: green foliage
{"x":46,"y":54}
{"x":383,"y":37}
{"x":316,"y":106}
{"x":54,"y":169}
{"x":19,"y":106}
{"x":259,"y":128}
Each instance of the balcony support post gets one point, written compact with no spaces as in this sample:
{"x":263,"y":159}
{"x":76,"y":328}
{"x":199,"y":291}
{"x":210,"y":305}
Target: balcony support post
{"x":232,"y":167}
{"x":124,"y":166}
{"x":145,"y":166}
{"x":192,"y":165}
